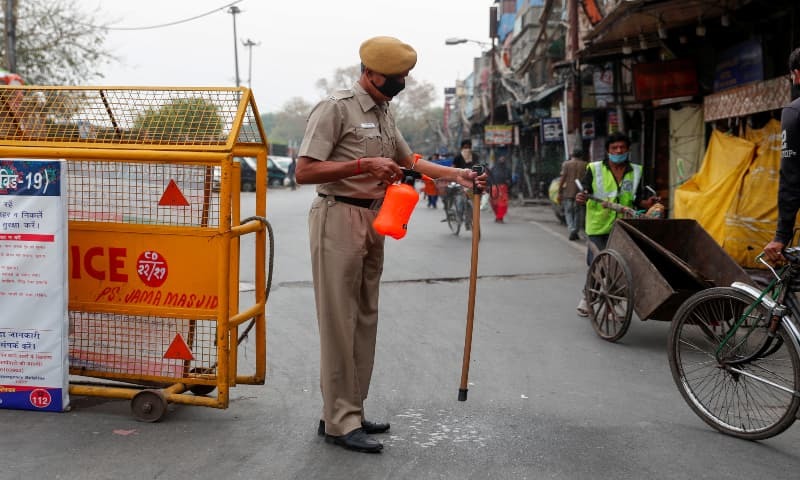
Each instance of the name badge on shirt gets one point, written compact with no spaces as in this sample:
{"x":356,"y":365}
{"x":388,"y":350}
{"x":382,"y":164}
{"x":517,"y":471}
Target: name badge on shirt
{"x":368,"y":125}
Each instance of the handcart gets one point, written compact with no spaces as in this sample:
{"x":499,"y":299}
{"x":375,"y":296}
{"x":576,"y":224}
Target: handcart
{"x":650,"y":267}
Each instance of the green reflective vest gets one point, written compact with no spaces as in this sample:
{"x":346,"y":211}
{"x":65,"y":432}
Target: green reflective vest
{"x":599,"y":220}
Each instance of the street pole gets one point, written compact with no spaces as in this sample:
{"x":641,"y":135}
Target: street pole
{"x":11,"y":35}
{"x":233,"y":10}
{"x":250,"y":44}
{"x":574,"y":119}
{"x":491,"y":84}
{"x":492,"y":69}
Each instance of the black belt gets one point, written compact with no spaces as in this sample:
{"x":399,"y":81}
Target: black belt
{"x":358,"y":202}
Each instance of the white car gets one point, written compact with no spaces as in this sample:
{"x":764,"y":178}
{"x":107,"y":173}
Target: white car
{"x":282,"y":162}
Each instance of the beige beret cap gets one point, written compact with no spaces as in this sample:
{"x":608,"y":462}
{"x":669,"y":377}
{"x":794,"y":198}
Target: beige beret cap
{"x":387,"y":55}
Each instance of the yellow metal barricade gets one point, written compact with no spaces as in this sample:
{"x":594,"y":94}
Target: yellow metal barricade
{"x":154,"y":204}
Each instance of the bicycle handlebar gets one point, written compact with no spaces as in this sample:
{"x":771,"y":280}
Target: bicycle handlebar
{"x":792,"y":254}
{"x":478,"y":169}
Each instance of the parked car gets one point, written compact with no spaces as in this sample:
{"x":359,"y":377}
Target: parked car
{"x":276,"y":174}
{"x":282,"y":162}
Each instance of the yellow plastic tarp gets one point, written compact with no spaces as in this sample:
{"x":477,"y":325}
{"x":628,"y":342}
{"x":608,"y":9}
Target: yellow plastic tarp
{"x":708,"y":195}
{"x":751,"y":219}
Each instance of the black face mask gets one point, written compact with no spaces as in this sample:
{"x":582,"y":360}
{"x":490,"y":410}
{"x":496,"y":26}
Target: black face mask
{"x":391,"y":87}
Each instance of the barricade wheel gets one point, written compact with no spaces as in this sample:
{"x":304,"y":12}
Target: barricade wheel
{"x":149,"y":405}
{"x":609,"y":295}
{"x":202,"y":389}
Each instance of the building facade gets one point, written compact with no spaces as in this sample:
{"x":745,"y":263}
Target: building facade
{"x":563,"y":74}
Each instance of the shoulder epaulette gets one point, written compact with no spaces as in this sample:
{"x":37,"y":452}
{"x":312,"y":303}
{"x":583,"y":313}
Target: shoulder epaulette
{"x":340,"y":94}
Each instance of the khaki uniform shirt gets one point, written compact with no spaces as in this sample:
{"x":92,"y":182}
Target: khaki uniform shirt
{"x":570,"y":170}
{"x":350,"y":125}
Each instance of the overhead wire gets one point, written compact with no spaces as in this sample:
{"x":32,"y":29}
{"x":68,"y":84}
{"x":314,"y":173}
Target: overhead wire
{"x":177,"y":22}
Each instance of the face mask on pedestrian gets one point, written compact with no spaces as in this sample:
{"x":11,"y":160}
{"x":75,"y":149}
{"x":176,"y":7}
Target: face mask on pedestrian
{"x":391,"y":86}
{"x":466,"y":154}
{"x":618,"y":157}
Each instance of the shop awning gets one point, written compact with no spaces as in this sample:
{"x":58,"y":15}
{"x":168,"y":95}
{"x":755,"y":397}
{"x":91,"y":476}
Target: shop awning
{"x":753,"y":98}
{"x":542,"y":94}
{"x":632,"y":18}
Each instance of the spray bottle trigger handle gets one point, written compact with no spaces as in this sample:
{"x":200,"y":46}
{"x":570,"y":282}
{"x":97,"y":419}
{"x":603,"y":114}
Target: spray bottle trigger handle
{"x":407,"y":172}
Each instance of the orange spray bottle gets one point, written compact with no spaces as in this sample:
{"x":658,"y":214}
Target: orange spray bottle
{"x":399,"y":202}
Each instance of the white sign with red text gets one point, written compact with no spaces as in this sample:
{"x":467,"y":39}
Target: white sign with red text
{"x":34,"y":373}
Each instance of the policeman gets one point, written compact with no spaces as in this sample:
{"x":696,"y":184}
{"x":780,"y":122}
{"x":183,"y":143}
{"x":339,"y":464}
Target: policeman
{"x":353,"y":150}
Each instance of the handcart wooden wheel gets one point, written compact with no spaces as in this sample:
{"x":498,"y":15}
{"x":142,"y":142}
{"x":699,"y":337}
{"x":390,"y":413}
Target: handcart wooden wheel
{"x":609,"y":295}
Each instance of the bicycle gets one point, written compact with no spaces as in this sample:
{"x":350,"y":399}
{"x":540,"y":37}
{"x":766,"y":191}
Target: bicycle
{"x":457,"y":208}
{"x":733,"y":353}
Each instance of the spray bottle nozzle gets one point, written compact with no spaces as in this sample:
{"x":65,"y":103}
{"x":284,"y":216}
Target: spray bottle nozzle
{"x":409,"y":176}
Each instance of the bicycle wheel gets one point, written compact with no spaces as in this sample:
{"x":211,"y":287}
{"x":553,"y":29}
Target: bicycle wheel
{"x":609,"y":295}
{"x":455,"y":214}
{"x":467,"y":214}
{"x":748,"y":389}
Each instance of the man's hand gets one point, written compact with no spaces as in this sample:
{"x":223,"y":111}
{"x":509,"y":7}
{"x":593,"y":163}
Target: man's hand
{"x":382,"y":168}
{"x":467,"y":178}
{"x":649,"y":202}
{"x":774,"y":251}
{"x":581,"y":198}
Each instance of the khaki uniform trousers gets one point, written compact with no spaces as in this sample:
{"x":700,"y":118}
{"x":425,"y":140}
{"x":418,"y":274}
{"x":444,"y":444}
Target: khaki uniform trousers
{"x":347,"y":263}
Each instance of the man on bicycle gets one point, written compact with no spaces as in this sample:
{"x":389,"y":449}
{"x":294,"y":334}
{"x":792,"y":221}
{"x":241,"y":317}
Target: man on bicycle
{"x":465,"y":158}
{"x":789,"y":186}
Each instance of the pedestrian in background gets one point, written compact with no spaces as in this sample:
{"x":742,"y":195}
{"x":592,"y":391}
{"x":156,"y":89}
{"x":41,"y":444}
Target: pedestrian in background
{"x":291,"y":171}
{"x":573,"y":169}
{"x":465,"y":158}
{"x":614,"y":179}
{"x":500,"y":181}
{"x":431,"y":191}
{"x":353,"y":150}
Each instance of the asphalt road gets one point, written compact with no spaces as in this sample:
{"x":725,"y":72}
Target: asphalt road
{"x":547,"y":397}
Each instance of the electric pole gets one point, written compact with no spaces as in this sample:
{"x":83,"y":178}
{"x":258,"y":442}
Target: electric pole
{"x":250,"y":44}
{"x":233,"y":10}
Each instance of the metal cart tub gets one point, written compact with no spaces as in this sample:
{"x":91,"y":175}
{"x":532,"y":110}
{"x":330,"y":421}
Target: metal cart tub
{"x":651,"y":266}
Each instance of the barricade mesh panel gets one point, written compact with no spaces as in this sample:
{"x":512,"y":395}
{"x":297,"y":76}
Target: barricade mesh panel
{"x":136,"y":345}
{"x":122,"y":192}
{"x":190,"y":118}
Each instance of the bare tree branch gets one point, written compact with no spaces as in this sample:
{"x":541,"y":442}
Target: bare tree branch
{"x":58,"y":44}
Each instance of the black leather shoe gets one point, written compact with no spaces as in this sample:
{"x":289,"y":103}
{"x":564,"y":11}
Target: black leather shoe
{"x":370,"y":428}
{"x":357,"y":440}
{"x":373,"y":428}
